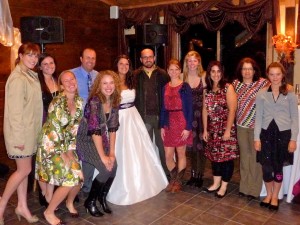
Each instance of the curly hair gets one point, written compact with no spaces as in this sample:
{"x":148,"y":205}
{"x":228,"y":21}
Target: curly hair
{"x":209,"y":81}
{"x":238,"y":71}
{"x":115,"y":98}
{"x":200,"y":69}
{"x":283,"y":89}
{"x":130,"y":80}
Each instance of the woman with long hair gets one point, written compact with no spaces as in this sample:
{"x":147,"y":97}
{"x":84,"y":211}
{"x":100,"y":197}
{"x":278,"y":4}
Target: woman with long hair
{"x":194,"y":75}
{"x":219,"y":130}
{"x":97,"y":137}
{"x":275,"y":132}
{"x":49,"y":88}
{"x":135,"y":153}
{"x":22,"y":123}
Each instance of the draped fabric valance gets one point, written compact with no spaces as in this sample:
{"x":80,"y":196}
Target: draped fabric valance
{"x":213,"y":14}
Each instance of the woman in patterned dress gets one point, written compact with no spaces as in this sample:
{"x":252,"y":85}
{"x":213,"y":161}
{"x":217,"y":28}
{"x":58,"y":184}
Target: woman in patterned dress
{"x":176,"y":124}
{"x":49,"y":87}
{"x":194,"y":75}
{"x":22,"y":124}
{"x":56,"y":160}
{"x":219,"y":131}
{"x":97,"y":137}
{"x":247,"y":84}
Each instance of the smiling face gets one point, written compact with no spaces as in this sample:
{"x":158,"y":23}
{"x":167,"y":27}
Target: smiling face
{"x":107,"y":86}
{"x":215,"y":74}
{"x":88,"y":59}
{"x":68,"y":83}
{"x":275,"y":76}
{"x":192,"y":63}
{"x":147,"y":58}
{"x":174,"y":71}
{"x":28,"y":60}
{"x":123,"y":66}
{"x":48,"y":66}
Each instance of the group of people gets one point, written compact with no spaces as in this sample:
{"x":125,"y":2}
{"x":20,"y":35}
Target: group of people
{"x":117,"y":135}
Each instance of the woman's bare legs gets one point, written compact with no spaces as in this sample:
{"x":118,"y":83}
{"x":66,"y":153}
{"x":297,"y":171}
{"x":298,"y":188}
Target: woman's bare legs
{"x":181,"y":157}
{"x":18,"y":181}
{"x":59,"y":195}
{"x":170,"y":154}
{"x":47,"y":190}
{"x":70,"y":199}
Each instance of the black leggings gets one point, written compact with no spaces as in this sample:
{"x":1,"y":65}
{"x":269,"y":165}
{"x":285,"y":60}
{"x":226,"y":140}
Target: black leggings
{"x":223,"y":169}
{"x":270,"y":173}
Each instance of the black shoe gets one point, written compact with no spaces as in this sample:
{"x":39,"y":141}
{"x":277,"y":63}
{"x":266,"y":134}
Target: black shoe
{"x":264,"y":204}
{"x":42,"y":200}
{"x":274,"y":207}
{"x":241,"y":194}
{"x":220,"y":196}
{"x":192,"y":180}
{"x":205,"y":189}
{"x":250,"y":197}
{"x":199,"y":181}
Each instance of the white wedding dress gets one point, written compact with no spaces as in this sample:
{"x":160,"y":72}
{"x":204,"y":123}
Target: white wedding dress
{"x":139,"y":173}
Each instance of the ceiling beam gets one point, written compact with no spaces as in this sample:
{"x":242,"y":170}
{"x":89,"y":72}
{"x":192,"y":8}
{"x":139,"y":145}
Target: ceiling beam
{"x":139,"y":4}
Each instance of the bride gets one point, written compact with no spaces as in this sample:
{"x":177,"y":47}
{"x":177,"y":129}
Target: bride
{"x":139,"y":174}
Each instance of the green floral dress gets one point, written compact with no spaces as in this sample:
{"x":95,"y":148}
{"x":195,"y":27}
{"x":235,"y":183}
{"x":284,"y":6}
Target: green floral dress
{"x":59,"y":136}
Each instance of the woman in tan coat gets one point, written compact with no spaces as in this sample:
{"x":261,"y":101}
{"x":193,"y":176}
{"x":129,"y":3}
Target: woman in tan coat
{"x":22,"y":123}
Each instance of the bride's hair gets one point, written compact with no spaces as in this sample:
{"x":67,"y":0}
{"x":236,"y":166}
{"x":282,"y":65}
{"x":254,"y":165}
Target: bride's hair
{"x":130,"y":79}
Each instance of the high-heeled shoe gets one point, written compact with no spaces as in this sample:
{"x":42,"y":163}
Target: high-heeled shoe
{"x":274,"y":207}
{"x":265,"y":204}
{"x":205,"y":189}
{"x":33,"y":218}
{"x":221,"y":196}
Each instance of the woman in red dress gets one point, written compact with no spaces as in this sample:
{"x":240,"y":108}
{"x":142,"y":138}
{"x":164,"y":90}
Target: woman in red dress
{"x":176,"y":124}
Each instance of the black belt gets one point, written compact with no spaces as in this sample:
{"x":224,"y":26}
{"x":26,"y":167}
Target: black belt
{"x":126,"y":105}
{"x":174,"y":110}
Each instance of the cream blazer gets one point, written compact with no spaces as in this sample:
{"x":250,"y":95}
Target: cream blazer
{"x":23,"y":110}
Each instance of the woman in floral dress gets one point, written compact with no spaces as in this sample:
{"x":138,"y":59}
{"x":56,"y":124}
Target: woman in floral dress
{"x":219,"y":131}
{"x":57,"y":161}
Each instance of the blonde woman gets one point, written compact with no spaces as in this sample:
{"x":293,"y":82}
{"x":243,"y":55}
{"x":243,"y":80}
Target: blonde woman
{"x":194,"y":75}
{"x":56,"y":160}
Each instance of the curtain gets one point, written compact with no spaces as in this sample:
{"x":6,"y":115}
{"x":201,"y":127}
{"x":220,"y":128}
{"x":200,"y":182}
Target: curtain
{"x":6,"y":24}
{"x":213,"y":14}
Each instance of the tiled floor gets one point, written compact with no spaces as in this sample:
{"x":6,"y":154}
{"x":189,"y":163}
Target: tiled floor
{"x":190,"y":206}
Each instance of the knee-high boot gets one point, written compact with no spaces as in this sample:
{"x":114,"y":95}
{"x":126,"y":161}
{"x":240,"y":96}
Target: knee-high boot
{"x":177,"y":186}
{"x":90,"y":202}
{"x":103,"y":193}
{"x":173,"y":174}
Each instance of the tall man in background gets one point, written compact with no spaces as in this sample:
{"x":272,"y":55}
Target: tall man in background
{"x":150,"y":81}
{"x":85,"y":75}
